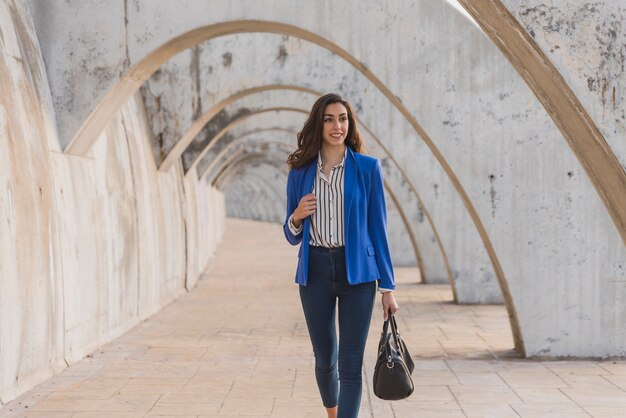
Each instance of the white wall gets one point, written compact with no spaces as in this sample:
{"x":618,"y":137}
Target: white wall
{"x":90,"y":245}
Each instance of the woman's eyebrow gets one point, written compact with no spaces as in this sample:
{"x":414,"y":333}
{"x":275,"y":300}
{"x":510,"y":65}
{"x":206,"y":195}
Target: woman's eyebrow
{"x":341,"y":114}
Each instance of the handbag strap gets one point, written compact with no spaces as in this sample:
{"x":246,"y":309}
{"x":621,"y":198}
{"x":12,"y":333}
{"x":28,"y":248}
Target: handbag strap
{"x":394,"y":328}
{"x":386,"y":323}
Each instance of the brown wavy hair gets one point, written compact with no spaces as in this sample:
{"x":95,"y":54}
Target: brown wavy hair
{"x":310,"y":138}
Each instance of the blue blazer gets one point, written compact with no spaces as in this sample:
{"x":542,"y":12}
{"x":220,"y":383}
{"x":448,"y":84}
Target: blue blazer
{"x":365,"y":220}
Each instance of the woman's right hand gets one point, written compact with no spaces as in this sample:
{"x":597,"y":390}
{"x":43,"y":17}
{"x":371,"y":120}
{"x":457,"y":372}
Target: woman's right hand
{"x":305,"y":208}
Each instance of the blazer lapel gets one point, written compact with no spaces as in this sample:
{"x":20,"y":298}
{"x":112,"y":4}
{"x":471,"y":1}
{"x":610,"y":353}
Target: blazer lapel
{"x":348,"y":186}
{"x":306,"y":187}
{"x":308,"y":179}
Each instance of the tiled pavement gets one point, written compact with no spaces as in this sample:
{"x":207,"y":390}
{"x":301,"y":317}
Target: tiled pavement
{"x":237,"y":346}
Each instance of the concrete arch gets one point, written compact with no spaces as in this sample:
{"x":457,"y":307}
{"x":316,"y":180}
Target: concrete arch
{"x":246,"y":116}
{"x":219,"y":155}
{"x":245,"y":163}
{"x":418,"y":257}
{"x":220,"y":165}
{"x":140,"y":72}
{"x":256,"y":176}
{"x":226,"y":128}
{"x":197,"y":127}
{"x":245,"y":159}
{"x":244,"y":199}
{"x":238,"y":154}
{"x":578,"y":128}
{"x":177,"y":151}
{"x":400,"y":210}
{"x":233,"y":161}
{"x":182,"y":144}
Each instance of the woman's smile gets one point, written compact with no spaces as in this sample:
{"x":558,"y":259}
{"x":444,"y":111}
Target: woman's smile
{"x":336,"y":124}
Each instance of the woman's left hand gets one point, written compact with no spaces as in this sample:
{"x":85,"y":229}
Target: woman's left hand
{"x":389,"y":302}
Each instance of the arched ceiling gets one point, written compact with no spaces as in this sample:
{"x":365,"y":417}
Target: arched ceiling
{"x":586,"y":141}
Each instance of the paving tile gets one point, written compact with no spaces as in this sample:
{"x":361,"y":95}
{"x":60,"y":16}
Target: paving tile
{"x":606,"y":411}
{"x":489,"y":411}
{"x":480,"y":379}
{"x":614,"y":367}
{"x":427,"y":409}
{"x":588,"y":381}
{"x":597,"y":397}
{"x":107,"y":414}
{"x":478,"y":395}
{"x":151,"y":389}
{"x":532,"y":379}
{"x":575,"y":367}
{"x":475,"y":366}
{"x":71,"y":405}
{"x":617,"y":380}
{"x":247,"y":406}
{"x":297,"y":411}
{"x":431,"y":393}
{"x":178,"y":408}
{"x":34,"y":414}
{"x":130,"y":403}
{"x":549,"y":411}
{"x":434,"y":378}
{"x":543,"y":395}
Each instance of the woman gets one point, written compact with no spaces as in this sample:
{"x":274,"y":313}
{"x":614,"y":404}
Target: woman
{"x":336,"y":210}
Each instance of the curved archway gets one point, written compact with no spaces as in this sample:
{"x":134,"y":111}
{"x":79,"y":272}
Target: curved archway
{"x":140,"y":72}
{"x":234,"y":161}
{"x":244,"y":161}
{"x":205,"y":118}
{"x":221,"y":153}
{"x":239,"y":119}
{"x":257,"y":176}
{"x":221,"y":165}
{"x":405,"y":177}
{"x":582,"y":135}
{"x":195,"y":128}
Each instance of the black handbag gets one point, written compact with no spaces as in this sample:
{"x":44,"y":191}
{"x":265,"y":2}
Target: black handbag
{"x":394,"y":365}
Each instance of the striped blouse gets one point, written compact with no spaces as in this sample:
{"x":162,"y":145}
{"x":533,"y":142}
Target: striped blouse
{"x":327,"y":222}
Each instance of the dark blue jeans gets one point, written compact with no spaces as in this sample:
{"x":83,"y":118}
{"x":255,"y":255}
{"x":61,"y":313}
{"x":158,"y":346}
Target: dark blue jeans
{"x":327,"y":284}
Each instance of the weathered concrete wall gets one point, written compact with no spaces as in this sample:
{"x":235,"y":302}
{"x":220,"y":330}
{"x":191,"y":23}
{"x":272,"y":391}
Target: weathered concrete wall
{"x":30,"y":271}
{"x":550,"y":232}
{"x":89,"y":245}
{"x":586,"y":41}
{"x":204,"y":224}
{"x":533,"y":199}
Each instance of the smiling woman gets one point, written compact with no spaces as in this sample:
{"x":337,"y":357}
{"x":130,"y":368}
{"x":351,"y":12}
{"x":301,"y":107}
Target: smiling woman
{"x":336,"y":212}
{"x":523,"y":189}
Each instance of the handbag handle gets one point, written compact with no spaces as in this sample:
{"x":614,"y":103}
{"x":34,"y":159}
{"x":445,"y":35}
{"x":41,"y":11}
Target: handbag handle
{"x":394,"y":328}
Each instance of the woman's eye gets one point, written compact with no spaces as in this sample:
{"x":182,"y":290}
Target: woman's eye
{"x":328,"y":120}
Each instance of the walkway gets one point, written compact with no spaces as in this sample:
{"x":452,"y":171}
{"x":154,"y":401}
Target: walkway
{"x":237,"y":346}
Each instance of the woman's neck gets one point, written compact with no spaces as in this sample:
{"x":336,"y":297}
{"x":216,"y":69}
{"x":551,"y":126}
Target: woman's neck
{"x":332,"y":155}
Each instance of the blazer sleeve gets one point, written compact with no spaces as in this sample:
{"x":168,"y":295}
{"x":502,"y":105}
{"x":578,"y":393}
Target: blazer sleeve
{"x":377,"y":225}
{"x":292,"y":204}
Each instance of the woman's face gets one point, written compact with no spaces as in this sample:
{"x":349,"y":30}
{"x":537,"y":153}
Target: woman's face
{"x":335,"y":124}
